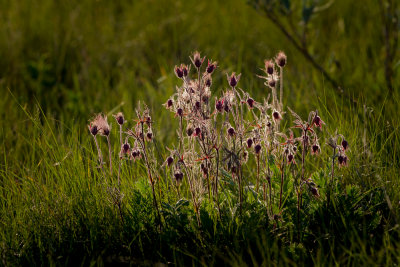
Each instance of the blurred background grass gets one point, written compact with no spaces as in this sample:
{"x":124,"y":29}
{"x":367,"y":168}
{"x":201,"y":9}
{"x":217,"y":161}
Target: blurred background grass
{"x":76,"y":58}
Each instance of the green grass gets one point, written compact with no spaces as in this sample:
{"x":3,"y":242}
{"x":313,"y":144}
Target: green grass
{"x":63,"y":62}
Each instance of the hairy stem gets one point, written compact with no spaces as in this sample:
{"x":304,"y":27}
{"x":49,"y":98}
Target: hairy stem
{"x":282,"y":178}
{"x":109,"y":153}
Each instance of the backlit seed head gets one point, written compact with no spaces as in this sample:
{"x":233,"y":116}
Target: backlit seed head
{"x":257,"y":149}
{"x":250,"y":102}
{"x":231,"y":131}
{"x":281,"y":59}
{"x":100,"y":121}
{"x":249,"y":142}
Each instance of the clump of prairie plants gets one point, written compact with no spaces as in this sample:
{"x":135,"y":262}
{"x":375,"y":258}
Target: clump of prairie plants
{"x":220,"y":139}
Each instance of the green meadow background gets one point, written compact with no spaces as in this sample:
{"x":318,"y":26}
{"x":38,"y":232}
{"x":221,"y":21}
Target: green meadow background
{"x":63,"y":61}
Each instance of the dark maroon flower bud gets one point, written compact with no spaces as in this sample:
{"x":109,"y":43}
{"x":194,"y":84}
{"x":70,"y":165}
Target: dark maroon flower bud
{"x":341,"y":159}
{"x":231,"y":131}
{"x":197,"y":105}
{"x":125,"y":147}
{"x":211,"y":66}
{"x":315,"y":149}
{"x":249,"y":142}
{"x":205,"y":99}
{"x":119,"y":117}
{"x":170,"y":160}
{"x":208,"y":82}
{"x":314,"y":191}
{"x":226,"y":107}
{"x":276,"y":115}
{"x":317,"y":121}
{"x":233,"y":80}
{"x":197,"y":131}
{"x":94,"y":130}
{"x":178,"y":176}
{"x":179,"y":111}
{"x":269,"y":67}
{"x":281,"y":59}
{"x":184,"y":70}
{"x":290,"y":158}
{"x":257,"y":148}
{"x":170,"y":102}
{"x":197,"y":60}
{"x":272,"y":83}
{"x":149,"y":136}
{"x":219,"y":106}
{"x":250,"y":102}
{"x":106,"y":132}
{"x":134,"y":154}
{"x":178,"y":72}
{"x":269,"y":124}
{"x":345,"y":144}
{"x":189,"y":131}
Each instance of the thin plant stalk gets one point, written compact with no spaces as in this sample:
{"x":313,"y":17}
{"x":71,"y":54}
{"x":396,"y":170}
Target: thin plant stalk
{"x":109,"y":153}
{"x":258,"y":172}
{"x":282,"y":178}
{"x":281,"y":85}
{"x":99,"y":152}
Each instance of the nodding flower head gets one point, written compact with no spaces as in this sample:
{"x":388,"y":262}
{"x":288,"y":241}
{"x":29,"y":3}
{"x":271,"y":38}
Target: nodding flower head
{"x":342,"y":159}
{"x":135,"y":154}
{"x":219,"y":105}
{"x":281,"y":59}
{"x":231,"y":131}
{"x":93,"y":130}
{"x":149,"y":135}
{"x":179,"y":111}
{"x":197,"y":60}
{"x":272,"y":82}
{"x":100,"y":121}
{"x":185,"y":70}
{"x":345,"y":144}
{"x":178,"y":176}
{"x":250,"y":102}
{"x":317,"y":121}
{"x":189,"y":130}
{"x":315,"y":149}
{"x":269,"y":67}
{"x":208,"y":81}
{"x":178,"y":72}
{"x":249,"y":142}
{"x":169,"y":161}
{"x":170,"y":102}
{"x":119,"y":117}
{"x":314,"y":191}
{"x":204,"y":169}
{"x":211,"y":66}
{"x":276,"y":115}
{"x":125,"y":148}
{"x":290,"y":159}
{"x":233,"y":79}
{"x":257,"y":149}
{"x":197,"y":131}
{"x":197,"y":105}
